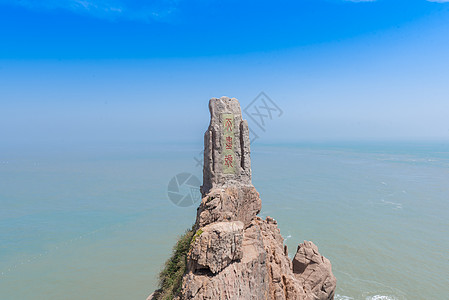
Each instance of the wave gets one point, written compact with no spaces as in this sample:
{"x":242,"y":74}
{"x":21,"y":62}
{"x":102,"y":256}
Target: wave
{"x":395,"y":204}
{"x":381,"y":297}
{"x":375,"y":297}
{"x":287,"y":237}
{"x":340,"y":297}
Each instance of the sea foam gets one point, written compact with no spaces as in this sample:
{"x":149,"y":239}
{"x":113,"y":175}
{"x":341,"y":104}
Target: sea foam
{"x":381,"y":297}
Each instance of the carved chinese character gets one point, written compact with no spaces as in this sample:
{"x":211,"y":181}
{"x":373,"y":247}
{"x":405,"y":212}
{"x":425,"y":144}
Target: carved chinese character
{"x":228,"y":125}
{"x":229,"y":142}
{"x":228,"y":161}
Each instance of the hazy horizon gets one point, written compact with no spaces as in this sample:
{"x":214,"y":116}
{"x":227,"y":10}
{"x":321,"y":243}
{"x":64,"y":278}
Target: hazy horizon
{"x":129,"y":72}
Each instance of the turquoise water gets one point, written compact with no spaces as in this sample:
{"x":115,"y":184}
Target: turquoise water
{"x":96,"y":222}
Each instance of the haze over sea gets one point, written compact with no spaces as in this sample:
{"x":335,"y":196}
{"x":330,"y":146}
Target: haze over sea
{"x":96,"y":222}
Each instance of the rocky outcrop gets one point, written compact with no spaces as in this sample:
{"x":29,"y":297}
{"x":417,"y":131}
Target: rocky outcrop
{"x":314,"y":271}
{"x":234,"y":254}
{"x":215,"y":246}
{"x":255,"y":267}
{"x":243,"y":278}
{"x":233,"y":203}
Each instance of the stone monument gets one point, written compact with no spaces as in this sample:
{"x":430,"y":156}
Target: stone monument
{"x":234,"y":254}
{"x":226,"y":146}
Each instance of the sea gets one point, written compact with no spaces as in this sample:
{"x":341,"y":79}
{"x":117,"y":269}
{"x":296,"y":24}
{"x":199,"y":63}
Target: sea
{"x":98,"y":221}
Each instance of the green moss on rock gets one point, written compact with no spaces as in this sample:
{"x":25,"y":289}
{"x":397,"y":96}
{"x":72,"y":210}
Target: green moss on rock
{"x":197,"y":234}
{"x":170,"y":278}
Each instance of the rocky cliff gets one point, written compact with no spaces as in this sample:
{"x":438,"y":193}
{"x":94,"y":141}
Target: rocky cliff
{"x":231,"y":253}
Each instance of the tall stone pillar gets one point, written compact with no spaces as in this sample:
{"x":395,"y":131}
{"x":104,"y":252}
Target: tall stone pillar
{"x":226,"y":146}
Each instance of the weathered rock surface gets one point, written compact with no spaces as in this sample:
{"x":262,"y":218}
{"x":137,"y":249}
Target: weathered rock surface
{"x":233,"y":203}
{"x":263,"y":269}
{"x":314,"y":271}
{"x":214,"y":174}
{"x":282,"y":282}
{"x":246,"y":278}
{"x":215,"y":246}
{"x":236,"y":255}
{"x":151,"y":297}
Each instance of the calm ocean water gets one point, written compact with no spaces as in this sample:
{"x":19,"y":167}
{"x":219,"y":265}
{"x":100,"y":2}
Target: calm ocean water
{"x":96,"y":222}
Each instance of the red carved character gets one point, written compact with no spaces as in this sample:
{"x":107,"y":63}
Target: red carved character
{"x":228,"y":161}
{"x":229,"y":142}
{"x":228,"y":125}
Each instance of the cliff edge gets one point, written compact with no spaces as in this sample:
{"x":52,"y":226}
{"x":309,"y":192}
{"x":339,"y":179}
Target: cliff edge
{"x":231,"y":253}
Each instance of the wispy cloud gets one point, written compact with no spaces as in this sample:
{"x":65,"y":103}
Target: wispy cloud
{"x":107,"y":9}
{"x":439,"y":1}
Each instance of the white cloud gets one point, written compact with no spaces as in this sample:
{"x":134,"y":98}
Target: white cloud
{"x":439,"y":1}
{"x":107,"y":9}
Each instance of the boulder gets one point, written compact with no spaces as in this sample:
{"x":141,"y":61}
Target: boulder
{"x":234,"y":203}
{"x":314,"y":272}
{"x":215,"y":246}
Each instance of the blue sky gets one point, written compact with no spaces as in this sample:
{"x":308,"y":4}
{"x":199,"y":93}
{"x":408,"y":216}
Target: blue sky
{"x":76,"y":71}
